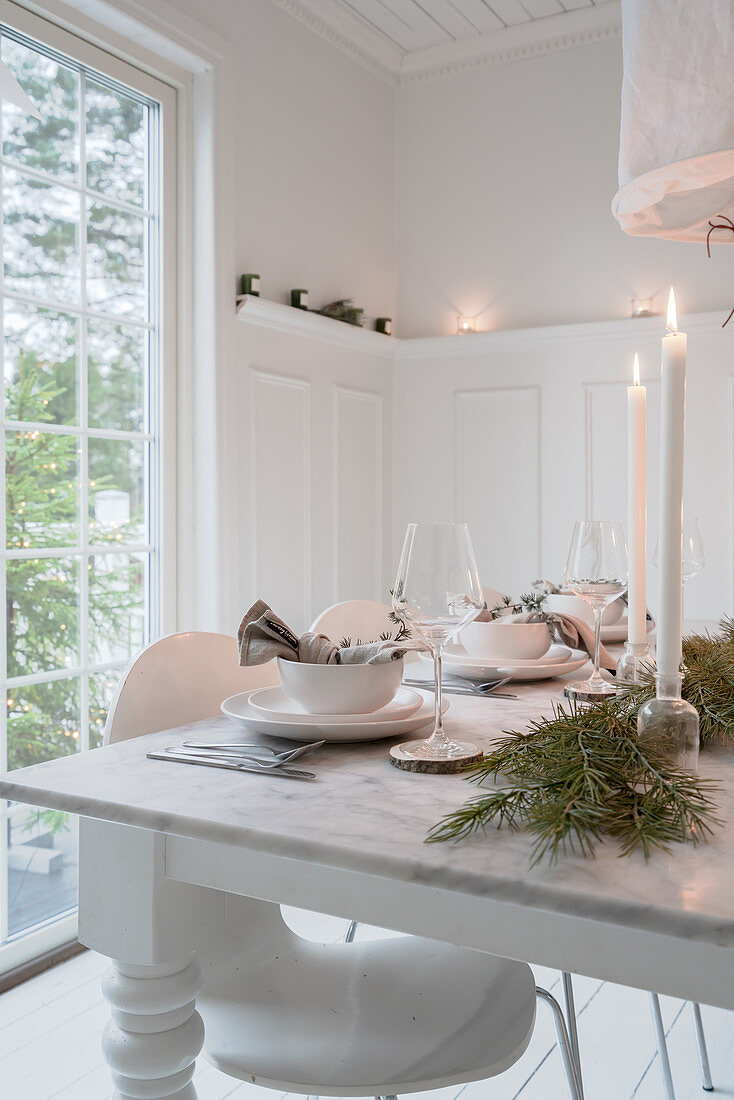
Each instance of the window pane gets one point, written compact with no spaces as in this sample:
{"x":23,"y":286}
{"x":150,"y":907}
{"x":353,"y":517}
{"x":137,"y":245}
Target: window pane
{"x":51,"y":143}
{"x":116,"y":143}
{"x":116,"y":491}
{"x":116,"y":364}
{"x":41,"y":238}
{"x":115,"y":262}
{"x":42,"y":865}
{"x":41,"y":489}
{"x":42,"y":613}
{"x":43,"y":721}
{"x":117,"y":591}
{"x":101,"y":689}
{"x":40,"y":364}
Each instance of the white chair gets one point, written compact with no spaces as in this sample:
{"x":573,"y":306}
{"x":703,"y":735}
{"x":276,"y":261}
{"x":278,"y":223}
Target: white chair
{"x":181,"y":678}
{"x":345,"y":1019}
{"x":363,"y":619}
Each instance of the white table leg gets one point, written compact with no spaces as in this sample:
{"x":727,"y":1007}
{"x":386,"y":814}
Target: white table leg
{"x":151,"y":928}
{"x":155,"y":1033}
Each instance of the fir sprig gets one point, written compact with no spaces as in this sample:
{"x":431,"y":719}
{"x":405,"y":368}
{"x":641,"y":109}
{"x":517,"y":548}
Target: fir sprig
{"x":581,"y":774}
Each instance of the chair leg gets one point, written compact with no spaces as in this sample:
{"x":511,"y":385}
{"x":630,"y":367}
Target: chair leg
{"x":564,"y":1042}
{"x":657,"y":1018}
{"x":351,"y":932}
{"x":703,"y":1054}
{"x":572,"y":1028}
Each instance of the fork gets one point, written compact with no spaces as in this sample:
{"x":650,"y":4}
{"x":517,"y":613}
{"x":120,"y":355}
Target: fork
{"x":284,"y":756}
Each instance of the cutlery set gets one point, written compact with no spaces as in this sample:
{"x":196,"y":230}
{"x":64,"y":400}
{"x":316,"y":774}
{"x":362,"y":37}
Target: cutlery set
{"x":238,"y":757}
{"x":258,"y":759}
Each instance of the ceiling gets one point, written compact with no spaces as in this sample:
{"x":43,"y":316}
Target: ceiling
{"x":411,"y":26}
{"x":407,"y":40}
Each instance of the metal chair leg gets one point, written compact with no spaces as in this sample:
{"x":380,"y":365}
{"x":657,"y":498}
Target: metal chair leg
{"x":564,"y":1042}
{"x":703,"y":1054}
{"x":657,"y":1018}
{"x":572,"y":1027}
{"x":350,"y":934}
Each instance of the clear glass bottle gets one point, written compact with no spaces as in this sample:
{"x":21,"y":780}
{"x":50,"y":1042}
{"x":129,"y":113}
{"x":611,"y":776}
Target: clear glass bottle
{"x":672,"y":720}
{"x":636,"y":654}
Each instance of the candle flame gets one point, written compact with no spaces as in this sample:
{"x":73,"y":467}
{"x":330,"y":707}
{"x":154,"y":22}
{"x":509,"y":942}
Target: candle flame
{"x":636,"y":370}
{"x":672,"y":316}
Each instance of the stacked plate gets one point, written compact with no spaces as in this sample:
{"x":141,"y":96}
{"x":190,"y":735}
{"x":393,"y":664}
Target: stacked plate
{"x":556,"y":662}
{"x":269,"y":711}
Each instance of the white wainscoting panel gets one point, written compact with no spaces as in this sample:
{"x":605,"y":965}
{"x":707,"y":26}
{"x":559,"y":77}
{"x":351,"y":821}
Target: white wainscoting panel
{"x":358,"y":505}
{"x":497,"y":437}
{"x":541,"y":428}
{"x":309,"y":475}
{"x":281,"y":492}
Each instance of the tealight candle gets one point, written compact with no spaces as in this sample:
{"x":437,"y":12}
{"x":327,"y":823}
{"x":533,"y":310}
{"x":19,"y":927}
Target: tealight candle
{"x":384,"y":325}
{"x":251,"y":285}
{"x":299,"y":299}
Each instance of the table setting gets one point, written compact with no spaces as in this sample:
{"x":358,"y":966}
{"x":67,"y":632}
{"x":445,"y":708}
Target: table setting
{"x":616,"y":753}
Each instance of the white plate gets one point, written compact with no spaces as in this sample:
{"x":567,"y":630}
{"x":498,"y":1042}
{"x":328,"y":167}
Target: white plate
{"x":617,"y":632}
{"x":272,"y":702}
{"x":238,"y":708}
{"x":554,"y":656}
{"x":538,"y":670}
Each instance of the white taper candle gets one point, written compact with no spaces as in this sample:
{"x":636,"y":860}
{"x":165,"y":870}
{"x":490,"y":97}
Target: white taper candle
{"x":637,"y":507}
{"x":672,"y":431}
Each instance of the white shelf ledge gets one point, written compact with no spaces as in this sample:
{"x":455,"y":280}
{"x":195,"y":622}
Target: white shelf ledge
{"x":259,"y":311}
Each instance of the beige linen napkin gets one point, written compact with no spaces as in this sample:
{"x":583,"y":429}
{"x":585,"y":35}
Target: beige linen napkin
{"x":262,"y":635}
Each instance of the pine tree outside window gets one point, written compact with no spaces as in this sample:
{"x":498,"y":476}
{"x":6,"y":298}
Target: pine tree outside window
{"x":81,"y":314}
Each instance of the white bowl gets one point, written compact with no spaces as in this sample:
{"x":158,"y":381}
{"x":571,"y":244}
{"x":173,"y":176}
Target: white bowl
{"x":568,"y":604}
{"x":503,"y":640}
{"x":340,"y":689}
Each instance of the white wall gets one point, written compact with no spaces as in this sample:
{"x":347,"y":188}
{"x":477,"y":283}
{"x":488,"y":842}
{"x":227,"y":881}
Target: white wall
{"x":313,"y":134}
{"x":505,"y":179}
{"x":522,"y":433}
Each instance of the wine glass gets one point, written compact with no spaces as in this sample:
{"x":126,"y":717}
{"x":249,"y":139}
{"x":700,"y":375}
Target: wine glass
{"x":693,"y":558}
{"x":596,"y":570}
{"x":437,"y":592}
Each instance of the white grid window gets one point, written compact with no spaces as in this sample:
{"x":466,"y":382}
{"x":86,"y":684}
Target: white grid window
{"x":81,"y":318}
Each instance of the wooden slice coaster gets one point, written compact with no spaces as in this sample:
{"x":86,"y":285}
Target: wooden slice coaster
{"x":589,"y":696}
{"x":399,"y":759}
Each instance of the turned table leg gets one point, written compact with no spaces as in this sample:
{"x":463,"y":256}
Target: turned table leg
{"x":151,"y":929}
{"x":155,"y":1033}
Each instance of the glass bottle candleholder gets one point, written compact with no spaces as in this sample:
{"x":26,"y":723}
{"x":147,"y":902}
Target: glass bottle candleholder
{"x":672,"y":721}
{"x":629,"y":665}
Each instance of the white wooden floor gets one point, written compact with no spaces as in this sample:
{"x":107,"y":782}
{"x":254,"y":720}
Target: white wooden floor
{"x":50,"y":1042}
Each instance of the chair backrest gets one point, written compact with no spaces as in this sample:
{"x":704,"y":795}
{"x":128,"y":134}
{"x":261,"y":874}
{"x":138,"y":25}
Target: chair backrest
{"x":365,"y":619}
{"x":179,"y":679}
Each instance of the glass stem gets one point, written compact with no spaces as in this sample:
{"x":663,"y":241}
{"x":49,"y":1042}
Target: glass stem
{"x":438,"y":733}
{"x":598,"y":612}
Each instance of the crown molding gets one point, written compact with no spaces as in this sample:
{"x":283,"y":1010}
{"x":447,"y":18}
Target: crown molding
{"x":338,"y":25}
{"x":565,"y":31}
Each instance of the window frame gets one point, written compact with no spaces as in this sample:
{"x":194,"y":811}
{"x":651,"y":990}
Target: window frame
{"x":51,"y":934}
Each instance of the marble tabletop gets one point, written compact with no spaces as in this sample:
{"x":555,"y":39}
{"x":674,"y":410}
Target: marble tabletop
{"x":363,"y":815}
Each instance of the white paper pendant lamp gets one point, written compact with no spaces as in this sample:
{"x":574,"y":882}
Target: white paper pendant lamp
{"x":11,"y":92}
{"x":676,"y":157}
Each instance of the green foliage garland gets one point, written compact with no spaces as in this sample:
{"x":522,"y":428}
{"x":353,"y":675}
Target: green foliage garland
{"x":582,"y":774}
